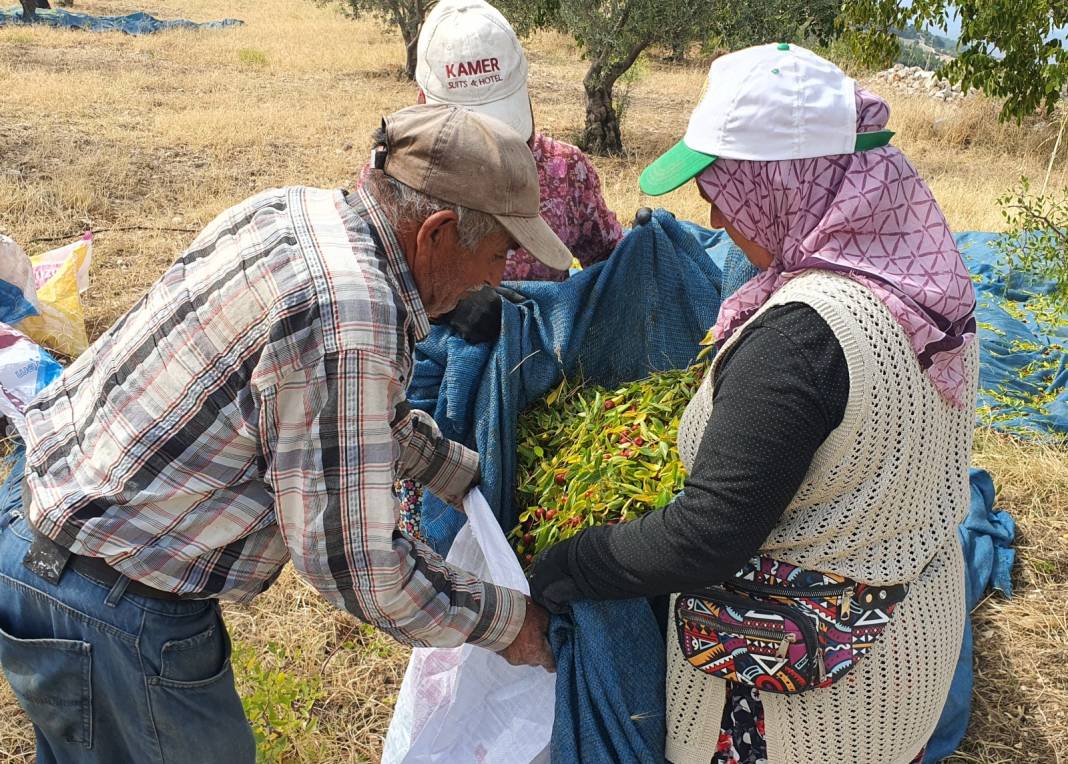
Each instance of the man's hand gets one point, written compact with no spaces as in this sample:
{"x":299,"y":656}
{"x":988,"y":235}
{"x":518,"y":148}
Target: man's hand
{"x":531,"y":645}
{"x":478,"y":317}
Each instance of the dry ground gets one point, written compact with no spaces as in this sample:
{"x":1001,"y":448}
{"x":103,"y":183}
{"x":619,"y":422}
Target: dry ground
{"x":164,"y":132}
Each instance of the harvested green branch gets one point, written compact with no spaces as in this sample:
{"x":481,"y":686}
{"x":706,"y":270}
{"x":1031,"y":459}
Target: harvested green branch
{"x":589,"y":456}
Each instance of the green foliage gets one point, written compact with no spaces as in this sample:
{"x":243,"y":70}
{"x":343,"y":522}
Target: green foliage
{"x":1007,"y":48}
{"x":589,"y":456}
{"x":806,"y":22}
{"x":278,"y":703}
{"x":614,"y":33}
{"x":1037,"y":239}
{"x":252,"y":57}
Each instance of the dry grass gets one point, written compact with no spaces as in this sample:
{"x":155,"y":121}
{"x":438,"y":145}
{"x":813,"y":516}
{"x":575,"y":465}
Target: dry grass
{"x":166,"y":131}
{"x":1020,"y":711}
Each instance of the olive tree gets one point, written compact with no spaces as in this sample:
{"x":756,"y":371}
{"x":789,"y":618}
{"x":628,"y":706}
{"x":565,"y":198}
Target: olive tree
{"x":1008,"y":49}
{"x":406,"y":15}
{"x":614,"y":33}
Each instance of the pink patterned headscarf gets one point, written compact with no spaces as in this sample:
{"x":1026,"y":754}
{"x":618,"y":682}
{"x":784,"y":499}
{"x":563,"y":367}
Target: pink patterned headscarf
{"x":866,"y":215}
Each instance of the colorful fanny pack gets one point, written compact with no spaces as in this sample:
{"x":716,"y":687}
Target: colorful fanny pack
{"x":783,"y":629}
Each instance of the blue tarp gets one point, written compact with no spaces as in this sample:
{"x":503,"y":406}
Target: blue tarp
{"x":133,"y":23}
{"x":590,"y":649}
{"x":643,"y":310}
{"x":986,"y":537}
{"x":1023,"y":371}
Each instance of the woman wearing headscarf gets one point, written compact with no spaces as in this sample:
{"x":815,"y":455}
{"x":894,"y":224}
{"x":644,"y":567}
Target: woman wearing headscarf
{"x":813,"y":552}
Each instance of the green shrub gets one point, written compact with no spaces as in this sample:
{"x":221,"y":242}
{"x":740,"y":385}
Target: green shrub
{"x":279,"y":704}
{"x":1037,"y":239}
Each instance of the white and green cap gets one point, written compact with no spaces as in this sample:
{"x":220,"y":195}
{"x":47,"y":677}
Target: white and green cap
{"x":765,"y":103}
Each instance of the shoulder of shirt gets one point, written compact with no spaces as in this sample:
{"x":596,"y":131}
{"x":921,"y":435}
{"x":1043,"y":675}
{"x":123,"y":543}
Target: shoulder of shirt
{"x":796,"y":320}
{"x":789,"y":329}
{"x":349,"y":286}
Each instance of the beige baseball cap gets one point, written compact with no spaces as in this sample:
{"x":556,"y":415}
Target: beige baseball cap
{"x":463,"y":157}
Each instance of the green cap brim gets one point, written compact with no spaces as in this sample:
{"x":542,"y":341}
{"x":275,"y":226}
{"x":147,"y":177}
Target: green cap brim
{"x":674,"y":167}
{"x":680,"y":163}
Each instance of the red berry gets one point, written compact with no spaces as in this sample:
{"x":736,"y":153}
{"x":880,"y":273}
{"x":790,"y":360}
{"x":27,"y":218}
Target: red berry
{"x":625,"y":453}
{"x":561,"y":478}
{"x":540,"y":513}
{"x":576,"y":522}
{"x":639,"y":441}
{"x":528,"y":538}
{"x":588,"y":494}
{"x":529,"y":559}
{"x":609,"y":404}
{"x":550,"y":514}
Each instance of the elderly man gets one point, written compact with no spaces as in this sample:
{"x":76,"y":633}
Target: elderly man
{"x":248,"y":410}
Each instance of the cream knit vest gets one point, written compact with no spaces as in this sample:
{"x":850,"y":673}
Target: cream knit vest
{"x":880,"y":504}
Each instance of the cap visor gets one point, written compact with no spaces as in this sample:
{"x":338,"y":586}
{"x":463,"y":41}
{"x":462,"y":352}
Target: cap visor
{"x":673,"y":168}
{"x":535,"y":236}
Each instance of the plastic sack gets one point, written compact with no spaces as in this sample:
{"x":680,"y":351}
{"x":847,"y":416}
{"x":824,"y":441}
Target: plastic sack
{"x":467,"y":703}
{"x":25,"y":370}
{"x":18,"y":294}
{"x":61,"y":275}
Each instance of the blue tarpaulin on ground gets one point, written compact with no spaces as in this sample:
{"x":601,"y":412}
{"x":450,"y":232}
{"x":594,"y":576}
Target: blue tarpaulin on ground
{"x":1023,"y":371}
{"x":986,"y":538}
{"x":132,"y":23}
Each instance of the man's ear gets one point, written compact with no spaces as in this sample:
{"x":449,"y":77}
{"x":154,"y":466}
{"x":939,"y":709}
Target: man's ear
{"x":437,"y":229}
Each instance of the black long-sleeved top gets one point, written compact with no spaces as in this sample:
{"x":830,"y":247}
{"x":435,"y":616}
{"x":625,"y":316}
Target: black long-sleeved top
{"x":779,"y":392}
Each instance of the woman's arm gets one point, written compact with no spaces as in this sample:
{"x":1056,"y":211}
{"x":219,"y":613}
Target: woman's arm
{"x":779,"y":393}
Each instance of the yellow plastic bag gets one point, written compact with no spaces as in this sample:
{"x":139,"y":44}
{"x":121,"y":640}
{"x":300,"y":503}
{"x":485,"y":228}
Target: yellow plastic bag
{"x":61,"y":275}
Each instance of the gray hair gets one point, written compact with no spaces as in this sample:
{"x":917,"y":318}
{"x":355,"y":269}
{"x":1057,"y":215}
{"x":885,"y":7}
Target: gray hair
{"x":402,"y":203}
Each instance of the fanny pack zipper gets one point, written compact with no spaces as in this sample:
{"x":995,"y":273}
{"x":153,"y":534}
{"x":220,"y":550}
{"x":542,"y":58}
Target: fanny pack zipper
{"x":845,"y":591}
{"x":808,"y":629}
{"x":785,"y":639}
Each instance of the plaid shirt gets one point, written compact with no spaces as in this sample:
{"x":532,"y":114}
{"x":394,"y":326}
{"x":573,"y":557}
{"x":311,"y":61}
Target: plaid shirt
{"x":250,"y":409}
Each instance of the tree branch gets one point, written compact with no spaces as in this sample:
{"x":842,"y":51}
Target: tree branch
{"x":631,"y":57}
{"x":1041,"y":218}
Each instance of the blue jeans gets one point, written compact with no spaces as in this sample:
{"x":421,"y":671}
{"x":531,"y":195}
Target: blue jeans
{"x":108,"y":676}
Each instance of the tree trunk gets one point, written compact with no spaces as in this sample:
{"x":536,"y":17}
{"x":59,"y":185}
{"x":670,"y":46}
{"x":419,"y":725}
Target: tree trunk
{"x":29,"y":11}
{"x":601,"y":135}
{"x":411,"y":51}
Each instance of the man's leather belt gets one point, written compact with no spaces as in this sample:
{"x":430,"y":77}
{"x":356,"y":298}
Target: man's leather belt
{"x":48,"y":560}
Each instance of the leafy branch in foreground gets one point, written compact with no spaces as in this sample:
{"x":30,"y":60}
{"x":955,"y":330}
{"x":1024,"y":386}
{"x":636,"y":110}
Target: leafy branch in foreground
{"x":1037,"y":240}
